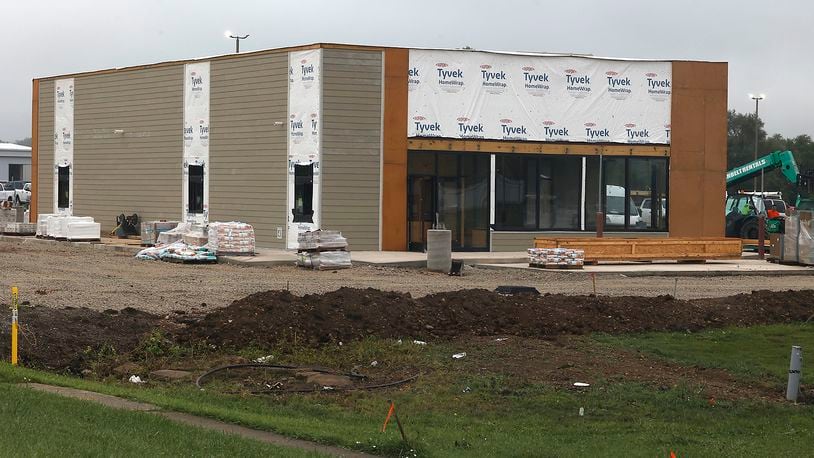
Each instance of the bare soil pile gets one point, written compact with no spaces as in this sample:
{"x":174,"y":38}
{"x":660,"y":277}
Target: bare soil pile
{"x":66,"y":338}
{"x":346,"y":314}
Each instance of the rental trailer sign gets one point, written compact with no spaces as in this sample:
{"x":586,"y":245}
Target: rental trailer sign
{"x":494,"y":96}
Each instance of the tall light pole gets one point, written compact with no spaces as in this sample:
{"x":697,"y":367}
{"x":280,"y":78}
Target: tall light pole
{"x":761,"y":219}
{"x":757,"y":98}
{"x":237,"y":39}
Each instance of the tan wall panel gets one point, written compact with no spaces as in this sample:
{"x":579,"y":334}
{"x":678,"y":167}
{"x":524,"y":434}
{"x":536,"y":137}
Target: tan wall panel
{"x":351,"y":144}
{"x":45,"y":149}
{"x":138,"y":171}
{"x":698,"y":149}
{"x":248,"y":153}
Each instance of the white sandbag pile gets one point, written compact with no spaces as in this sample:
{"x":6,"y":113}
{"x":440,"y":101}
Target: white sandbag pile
{"x":231,"y":238}
{"x":556,"y":258}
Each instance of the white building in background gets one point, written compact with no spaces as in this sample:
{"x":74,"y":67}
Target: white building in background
{"x":15,"y":162}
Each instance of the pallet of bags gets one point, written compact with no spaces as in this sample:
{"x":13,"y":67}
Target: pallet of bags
{"x":556,"y":258}
{"x":42,"y":224}
{"x":332,"y":260}
{"x":231,"y":238}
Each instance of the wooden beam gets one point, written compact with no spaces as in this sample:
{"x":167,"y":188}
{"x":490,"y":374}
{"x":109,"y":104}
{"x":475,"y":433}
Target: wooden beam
{"x":499,"y":146}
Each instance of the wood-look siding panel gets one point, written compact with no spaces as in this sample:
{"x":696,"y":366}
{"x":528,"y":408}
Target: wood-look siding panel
{"x":138,"y":171}
{"x":351,"y":144}
{"x":248,"y":153}
{"x":45,"y":156}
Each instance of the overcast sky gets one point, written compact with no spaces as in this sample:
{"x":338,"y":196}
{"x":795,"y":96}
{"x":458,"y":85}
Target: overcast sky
{"x":767,"y":44}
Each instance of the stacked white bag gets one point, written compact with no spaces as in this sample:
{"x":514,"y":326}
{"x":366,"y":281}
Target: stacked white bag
{"x":232,"y":238}
{"x":556,"y":257}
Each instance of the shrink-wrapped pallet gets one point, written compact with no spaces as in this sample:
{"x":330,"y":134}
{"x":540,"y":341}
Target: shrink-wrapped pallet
{"x":82,"y":230}
{"x":231,"y":238}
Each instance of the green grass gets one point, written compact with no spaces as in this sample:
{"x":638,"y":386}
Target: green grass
{"x":757,"y":352}
{"x":43,"y":424}
{"x":499,"y":415}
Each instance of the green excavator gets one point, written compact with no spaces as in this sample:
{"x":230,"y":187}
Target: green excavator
{"x":743,"y":210}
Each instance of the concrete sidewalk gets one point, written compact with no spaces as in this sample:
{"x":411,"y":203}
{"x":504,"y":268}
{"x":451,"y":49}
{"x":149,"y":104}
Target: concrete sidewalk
{"x":268,"y":437}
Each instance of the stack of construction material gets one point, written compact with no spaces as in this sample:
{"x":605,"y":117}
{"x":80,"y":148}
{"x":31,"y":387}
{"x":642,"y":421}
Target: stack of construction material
{"x":556,"y":258}
{"x":42,"y":224}
{"x":323,"y":250}
{"x":64,"y":227}
{"x":19,"y":228}
{"x":231,"y":239}
{"x":178,"y":252}
{"x":173,"y":235}
{"x":83,"y":230}
{"x":798,"y":240}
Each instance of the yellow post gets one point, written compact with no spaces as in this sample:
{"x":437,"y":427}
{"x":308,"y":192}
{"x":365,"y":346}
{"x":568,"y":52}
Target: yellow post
{"x":13,"y":325}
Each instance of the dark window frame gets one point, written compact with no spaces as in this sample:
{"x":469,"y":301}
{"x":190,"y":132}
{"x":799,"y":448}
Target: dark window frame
{"x":303,"y":188}
{"x":195,"y":189}
{"x":64,"y":187}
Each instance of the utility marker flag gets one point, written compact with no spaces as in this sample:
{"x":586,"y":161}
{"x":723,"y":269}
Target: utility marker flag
{"x":389,"y":414}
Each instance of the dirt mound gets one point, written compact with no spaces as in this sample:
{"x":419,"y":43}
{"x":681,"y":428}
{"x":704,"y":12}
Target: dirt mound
{"x":346,"y":314}
{"x":64,"y":339}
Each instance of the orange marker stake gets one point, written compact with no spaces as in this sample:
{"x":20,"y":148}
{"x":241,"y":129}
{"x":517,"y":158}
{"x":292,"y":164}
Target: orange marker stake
{"x":389,"y":414}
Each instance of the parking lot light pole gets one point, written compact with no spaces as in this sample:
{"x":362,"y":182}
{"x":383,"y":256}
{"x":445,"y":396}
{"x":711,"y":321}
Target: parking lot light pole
{"x":237,"y":39}
{"x":761,"y":219}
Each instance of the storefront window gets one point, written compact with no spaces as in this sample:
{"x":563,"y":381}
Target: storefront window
{"x":547,"y":193}
{"x":534,"y":193}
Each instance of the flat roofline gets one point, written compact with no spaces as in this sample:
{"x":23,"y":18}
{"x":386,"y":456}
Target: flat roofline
{"x":342,"y":46}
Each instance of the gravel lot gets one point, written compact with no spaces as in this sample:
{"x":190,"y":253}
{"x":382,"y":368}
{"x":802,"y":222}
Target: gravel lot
{"x":58,"y":275}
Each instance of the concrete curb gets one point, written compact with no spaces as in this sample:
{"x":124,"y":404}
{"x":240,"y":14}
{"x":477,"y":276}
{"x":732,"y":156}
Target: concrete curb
{"x":194,"y":420}
{"x":663,"y":273}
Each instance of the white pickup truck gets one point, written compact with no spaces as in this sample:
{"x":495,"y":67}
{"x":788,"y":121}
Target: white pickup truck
{"x":18,"y":192}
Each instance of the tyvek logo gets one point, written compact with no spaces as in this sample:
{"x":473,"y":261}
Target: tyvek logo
{"x":426,"y":128}
{"x":594,"y":133}
{"x":667,"y":129}
{"x":308,"y":73}
{"x":469,"y":129}
{"x":634,"y":135}
{"x":536,"y":83}
{"x":60,"y":96}
{"x":450,"y":79}
{"x":314,"y":127}
{"x":511,"y":132}
{"x":552,"y":132}
{"x":296,"y":128}
{"x":70,"y":94}
{"x":658,"y":88}
{"x":619,"y":87}
{"x":413,"y":78}
{"x":203,"y":132}
{"x":196,"y":83}
{"x":65,"y":138}
{"x":577,"y":84}
{"x":493,"y":80}
{"x":189,"y":135}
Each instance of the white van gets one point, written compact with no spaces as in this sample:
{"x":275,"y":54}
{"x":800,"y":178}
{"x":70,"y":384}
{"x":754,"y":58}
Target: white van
{"x":615,"y":207}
